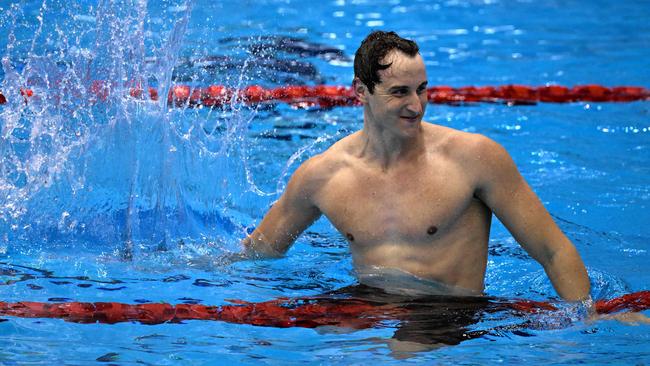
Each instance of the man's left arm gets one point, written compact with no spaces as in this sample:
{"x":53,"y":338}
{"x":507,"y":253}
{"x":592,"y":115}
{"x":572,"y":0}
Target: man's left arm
{"x":502,"y":188}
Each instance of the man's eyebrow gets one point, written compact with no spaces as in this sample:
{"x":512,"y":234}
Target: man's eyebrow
{"x":398,"y":87}
{"x":402,"y":87}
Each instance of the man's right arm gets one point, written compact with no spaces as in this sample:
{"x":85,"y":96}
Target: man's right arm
{"x":294,"y":212}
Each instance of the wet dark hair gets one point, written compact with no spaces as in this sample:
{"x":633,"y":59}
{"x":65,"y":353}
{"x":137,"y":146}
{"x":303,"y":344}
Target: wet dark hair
{"x":373,"y":49}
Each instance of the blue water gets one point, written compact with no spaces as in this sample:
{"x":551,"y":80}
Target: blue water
{"x":132,"y":201}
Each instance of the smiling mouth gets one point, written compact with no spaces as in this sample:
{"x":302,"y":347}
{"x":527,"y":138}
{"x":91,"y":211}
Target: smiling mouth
{"x":411,"y":119}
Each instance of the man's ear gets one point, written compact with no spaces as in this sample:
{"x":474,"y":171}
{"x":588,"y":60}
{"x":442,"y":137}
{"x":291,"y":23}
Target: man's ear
{"x":360,"y":90}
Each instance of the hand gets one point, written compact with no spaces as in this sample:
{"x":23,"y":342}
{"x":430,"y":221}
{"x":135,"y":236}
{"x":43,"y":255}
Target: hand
{"x":629,"y":318}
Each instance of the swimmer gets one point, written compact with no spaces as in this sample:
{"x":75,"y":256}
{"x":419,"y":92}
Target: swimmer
{"x":413,"y":197}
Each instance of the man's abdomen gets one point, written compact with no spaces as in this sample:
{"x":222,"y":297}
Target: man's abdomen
{"x":457,"y":257}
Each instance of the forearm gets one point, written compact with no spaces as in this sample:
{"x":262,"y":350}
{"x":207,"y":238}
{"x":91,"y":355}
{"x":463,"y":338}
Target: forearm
{"x":568,"y":274}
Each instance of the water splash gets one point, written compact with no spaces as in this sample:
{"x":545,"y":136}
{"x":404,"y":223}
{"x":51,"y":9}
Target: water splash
{"x":86,"y":164}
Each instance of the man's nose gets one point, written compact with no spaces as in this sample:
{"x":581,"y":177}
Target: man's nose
{"x":414,"y":104}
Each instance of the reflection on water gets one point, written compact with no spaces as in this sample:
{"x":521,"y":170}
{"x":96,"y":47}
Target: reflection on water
{"x":398,"y":282}
{"x":427,"y":320}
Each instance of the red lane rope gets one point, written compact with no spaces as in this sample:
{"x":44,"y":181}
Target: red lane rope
{"x":327,"y":96}
{"x":306,"y":313}
{"x":276,"y":313}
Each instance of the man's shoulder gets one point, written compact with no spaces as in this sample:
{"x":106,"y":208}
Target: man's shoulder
{"x":460,"y":143}
{"x":321,"y":167}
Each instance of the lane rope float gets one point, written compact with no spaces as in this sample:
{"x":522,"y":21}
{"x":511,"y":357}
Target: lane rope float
{"x":328,"y":96}
{"x":309,"y":312}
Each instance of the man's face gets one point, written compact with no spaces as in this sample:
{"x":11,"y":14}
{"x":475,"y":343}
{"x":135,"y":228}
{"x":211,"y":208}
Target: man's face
{"x":400,"y":99}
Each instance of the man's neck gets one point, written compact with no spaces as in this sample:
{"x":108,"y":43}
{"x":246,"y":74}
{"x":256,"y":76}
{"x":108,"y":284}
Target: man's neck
{"x":385,"y":148}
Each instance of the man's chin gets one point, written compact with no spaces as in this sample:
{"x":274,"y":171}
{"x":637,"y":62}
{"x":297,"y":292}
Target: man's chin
{"x":411,"y":128}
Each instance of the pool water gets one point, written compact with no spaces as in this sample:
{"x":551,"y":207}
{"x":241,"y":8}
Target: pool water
{"x":133,"y":201}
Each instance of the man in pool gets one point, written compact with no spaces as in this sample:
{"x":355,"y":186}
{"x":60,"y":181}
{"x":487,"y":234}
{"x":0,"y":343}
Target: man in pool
{"x":415,"y":199}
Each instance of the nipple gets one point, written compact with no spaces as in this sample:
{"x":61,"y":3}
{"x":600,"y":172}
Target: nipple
{"x":349,"y":236}
{"x":432,"y":230}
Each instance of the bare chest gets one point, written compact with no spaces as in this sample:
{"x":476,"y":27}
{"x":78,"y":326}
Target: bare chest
{"x":408,"y":207}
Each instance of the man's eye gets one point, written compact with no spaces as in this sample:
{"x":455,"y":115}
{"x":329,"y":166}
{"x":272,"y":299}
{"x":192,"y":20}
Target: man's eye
{"x":422,"y":90}
{"x":399,"y":92}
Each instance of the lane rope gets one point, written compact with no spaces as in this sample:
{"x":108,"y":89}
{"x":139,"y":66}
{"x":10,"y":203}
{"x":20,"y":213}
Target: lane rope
{"x":283,"y":313}
{"x":329,"y":96}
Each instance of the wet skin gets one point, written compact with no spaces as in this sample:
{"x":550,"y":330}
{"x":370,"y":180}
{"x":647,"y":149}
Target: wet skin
{"x":417,"y":197}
